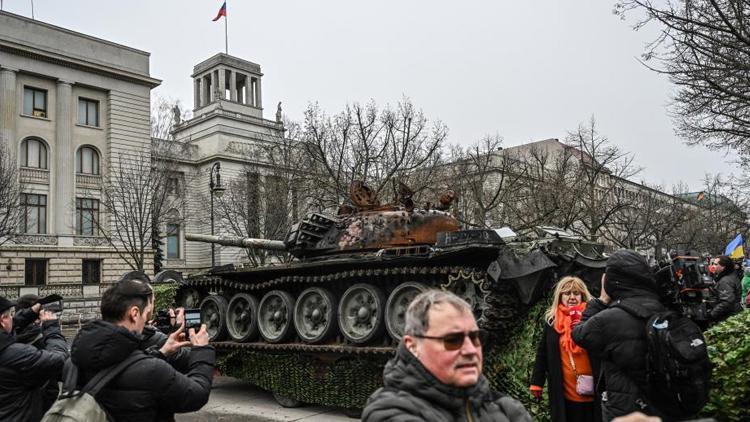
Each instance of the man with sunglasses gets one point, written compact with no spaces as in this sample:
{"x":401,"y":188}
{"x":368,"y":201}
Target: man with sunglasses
{"x":436,"y":374}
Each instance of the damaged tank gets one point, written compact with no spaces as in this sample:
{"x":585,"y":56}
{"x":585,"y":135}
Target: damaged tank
{"x":352,"y":276}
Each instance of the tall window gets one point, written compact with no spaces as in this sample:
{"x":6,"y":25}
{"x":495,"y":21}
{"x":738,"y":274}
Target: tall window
{"x":92,"y":270}
{"x":33,"y":153}
{"x":34,"y":213}
{"x":34,"y":102}
{"x":88,"y":112}
{"x":173,"y":241}
{"x":36,"y":272}
{"x":87,"y":215}
{"x":87,"y":161}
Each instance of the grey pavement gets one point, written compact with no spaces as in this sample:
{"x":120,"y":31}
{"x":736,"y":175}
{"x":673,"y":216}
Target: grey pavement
{"x":233,"y":400}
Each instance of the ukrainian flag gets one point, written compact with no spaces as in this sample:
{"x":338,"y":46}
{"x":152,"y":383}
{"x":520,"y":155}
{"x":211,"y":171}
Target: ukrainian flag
{"x":734,"y":249}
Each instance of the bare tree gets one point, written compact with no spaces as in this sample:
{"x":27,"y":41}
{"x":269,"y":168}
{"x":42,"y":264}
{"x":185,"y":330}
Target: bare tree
{"x":10,"y":190}
{"x":602,"y":171}
{"x":704,"y":48}
{"x":135,"y":200}
{"x":364,"y":143}
{"x":165,"y":115}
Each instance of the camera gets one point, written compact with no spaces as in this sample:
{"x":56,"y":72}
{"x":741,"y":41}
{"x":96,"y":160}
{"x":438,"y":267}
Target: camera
{"x":163,"y":322}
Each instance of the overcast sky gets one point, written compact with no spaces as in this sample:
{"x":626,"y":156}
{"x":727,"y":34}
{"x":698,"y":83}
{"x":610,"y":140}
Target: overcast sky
{"x":526,"y":70}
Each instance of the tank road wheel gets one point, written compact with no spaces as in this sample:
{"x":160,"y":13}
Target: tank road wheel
{"x":315,"y":315}
{"x":213,"y":314}
{"x":395,"y":308}
{"x":242,"y":317}
{"x":188,"y":298}
{"x":275,"y":316}
{"x":361,"y":312}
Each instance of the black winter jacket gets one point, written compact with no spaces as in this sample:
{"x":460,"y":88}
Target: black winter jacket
{"x":25,"y":370}
{"x":726,"y":296}
{"x":547,"y":367}
{"x":619,"y":338}
{"x":150,"y":389}
{"x":152,"y":340}
{"x":413,"y":394}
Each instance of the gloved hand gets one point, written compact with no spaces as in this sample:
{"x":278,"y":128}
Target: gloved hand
{"x":536,"y":391}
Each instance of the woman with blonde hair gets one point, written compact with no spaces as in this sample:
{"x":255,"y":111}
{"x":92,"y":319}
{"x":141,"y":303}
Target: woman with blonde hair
{"x":559,"y":360}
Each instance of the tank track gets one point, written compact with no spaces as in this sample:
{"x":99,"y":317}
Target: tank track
{"x":498,"y":307}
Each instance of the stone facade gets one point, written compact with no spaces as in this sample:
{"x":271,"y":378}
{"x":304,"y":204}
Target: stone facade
{"x":70,"y":106}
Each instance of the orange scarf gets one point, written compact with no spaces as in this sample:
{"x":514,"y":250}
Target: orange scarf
{"x":564,"y":326}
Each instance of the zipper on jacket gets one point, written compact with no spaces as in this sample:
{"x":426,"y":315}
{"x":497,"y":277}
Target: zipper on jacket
{"x":468,"y":412}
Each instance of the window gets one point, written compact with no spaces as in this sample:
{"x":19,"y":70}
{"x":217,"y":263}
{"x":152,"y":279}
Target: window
{"x":33,"y":153}
{"x":173,"y":186}
{"x":87,"y":215}
{"x":92,"y":270}
{"x":34,"y":102}
{"x":36,"y":272}
{"x":173,"y":241}
{"x":87,"y":161}
{"x":88,"y":112}
{"x":34,"y":219}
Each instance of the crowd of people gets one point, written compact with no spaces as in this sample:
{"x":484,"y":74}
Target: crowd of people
{"x":591,"y":359}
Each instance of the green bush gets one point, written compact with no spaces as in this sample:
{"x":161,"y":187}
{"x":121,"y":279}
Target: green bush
{"x":729,"y":350}
{"x":164,"y":295}
{"x":509,"y":363}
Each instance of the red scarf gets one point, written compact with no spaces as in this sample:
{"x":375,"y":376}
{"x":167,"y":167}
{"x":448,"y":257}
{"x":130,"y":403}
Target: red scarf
{"x":564,"y":326}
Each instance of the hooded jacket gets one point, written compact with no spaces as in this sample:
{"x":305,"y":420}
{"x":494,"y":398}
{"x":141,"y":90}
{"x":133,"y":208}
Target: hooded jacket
{"x":726,"y":295}
{"x":25,"y":370}
{"x":150,"y":389}
{"x":619,"y":338}
{"x":411,"y":393}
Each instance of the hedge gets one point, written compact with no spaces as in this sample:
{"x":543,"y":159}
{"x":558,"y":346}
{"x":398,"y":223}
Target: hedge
{"x":164,"y":295}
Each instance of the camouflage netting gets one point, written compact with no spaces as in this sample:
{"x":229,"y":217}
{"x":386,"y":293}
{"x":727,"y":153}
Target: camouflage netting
{"x":345,"y":382}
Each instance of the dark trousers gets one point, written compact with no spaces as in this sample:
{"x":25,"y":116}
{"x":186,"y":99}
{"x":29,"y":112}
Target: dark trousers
{"x":579,"y":412}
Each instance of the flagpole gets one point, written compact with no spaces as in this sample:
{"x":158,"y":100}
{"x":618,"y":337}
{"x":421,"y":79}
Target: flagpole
{"x":226,"y":36}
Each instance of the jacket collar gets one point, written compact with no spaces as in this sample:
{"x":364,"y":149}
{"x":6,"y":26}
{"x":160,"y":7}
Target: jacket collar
{"x":406,"y":372}
{"x":6,"y":340}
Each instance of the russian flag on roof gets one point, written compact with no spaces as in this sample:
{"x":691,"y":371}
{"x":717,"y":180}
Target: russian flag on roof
{"x":222,"y":12}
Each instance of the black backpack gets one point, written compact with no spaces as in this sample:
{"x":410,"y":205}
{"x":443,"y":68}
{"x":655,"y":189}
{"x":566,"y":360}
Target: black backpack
{"x":678,"y":370}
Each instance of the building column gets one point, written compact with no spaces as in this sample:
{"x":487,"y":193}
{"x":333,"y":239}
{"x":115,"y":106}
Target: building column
{"x":196,"y":93}
{"x":232,"y":85}
{"x":8,"y":109}
{"x":64,"y":193}
{"x":212,"y":90}
{"x":222,"y":84}
{"x":258,"y":100}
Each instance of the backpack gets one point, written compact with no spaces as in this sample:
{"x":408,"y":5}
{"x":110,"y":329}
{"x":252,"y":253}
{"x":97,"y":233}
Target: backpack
{"x":678,"y":369}
{"x":80,"y":405}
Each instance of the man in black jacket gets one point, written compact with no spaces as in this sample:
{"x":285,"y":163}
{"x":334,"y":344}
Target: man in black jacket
{"x":726,"y":293}
{"x":619,"y":338}
{"x":26,"y":369}
{"x":150,"y":389}
{"x":436,"y":375}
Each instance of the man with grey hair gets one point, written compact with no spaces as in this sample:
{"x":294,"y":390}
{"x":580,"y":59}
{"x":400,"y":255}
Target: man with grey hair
{"x":436,"y":374}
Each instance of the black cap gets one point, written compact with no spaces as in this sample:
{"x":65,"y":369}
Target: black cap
{"x":27,"y":301}
{"x":5,"y":304}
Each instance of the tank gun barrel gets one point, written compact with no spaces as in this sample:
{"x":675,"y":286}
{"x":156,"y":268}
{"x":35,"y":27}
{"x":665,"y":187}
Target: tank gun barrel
{"x":248,"y":242}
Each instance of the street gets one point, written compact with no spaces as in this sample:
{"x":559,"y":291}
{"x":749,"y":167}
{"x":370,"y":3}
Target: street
{"x":235,"y":400}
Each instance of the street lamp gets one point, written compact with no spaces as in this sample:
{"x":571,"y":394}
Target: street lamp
{"x":218,"y":190}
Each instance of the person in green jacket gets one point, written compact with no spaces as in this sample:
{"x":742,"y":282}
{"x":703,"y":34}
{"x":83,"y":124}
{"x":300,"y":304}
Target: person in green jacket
{"x":745,"y":285}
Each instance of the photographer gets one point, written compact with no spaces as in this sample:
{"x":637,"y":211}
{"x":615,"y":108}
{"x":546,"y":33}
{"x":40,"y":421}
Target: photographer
{"x":149,"y":389}
{"x":726,"y":293}
{"x":25,"y":369}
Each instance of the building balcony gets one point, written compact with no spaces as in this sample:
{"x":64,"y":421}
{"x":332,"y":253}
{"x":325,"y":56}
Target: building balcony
{"x":90,"y":181}
{"x":67,"y":291}
{"x":34,"y":175}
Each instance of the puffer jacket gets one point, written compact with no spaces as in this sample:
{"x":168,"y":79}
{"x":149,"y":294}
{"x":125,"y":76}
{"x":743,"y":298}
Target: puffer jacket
{"x":150,"y":389}
{"x":726,"y":296}
{"x":619,"y":338}
{"x":152,"y":340}
{"x":25,"y":370}
{"x":413,"y":394}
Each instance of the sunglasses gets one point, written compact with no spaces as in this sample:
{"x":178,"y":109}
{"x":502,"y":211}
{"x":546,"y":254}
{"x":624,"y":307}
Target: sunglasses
{"x":454,"y":341}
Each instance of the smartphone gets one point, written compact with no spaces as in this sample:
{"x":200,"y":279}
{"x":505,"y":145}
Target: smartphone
{"x":192,"y":320}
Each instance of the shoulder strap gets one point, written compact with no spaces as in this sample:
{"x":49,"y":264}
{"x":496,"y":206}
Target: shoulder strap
{"x":573,"y":364}
{"x":103,"y":377}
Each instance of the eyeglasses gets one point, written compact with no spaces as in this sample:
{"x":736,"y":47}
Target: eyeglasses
{"x":454,"y":341}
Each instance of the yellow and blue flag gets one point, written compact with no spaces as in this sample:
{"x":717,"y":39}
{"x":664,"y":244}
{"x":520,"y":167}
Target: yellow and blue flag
{"x":735,"y":249}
